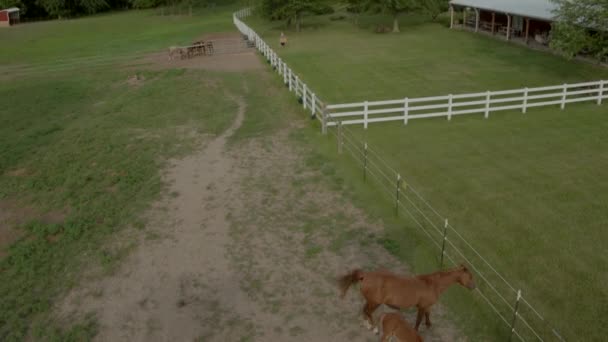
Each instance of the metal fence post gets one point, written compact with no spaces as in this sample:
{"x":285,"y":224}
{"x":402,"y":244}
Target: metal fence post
{"x":365,"y":162}
{"x":406,"y":111}
{"x":565,"y":93}
{"x":600,"y":93}
{"x":515,"y":314}
{"x":340,"y":137}
{"x":397,"y":193}
{"x":487,"y":114}
{"x":445,"y":238}
{"x":525,"y":107}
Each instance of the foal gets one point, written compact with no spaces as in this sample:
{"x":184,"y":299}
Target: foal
{"x":393,"y":325}
{"x":384,"y":287}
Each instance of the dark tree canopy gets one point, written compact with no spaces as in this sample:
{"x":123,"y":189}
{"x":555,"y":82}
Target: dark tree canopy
{"x":293,"y":10}
{"x":581,"y":27}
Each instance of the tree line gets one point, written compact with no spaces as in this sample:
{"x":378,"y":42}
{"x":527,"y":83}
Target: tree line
{"x":293,"y":10}
{"x":581,"y":26}
{"x":50,"y":9}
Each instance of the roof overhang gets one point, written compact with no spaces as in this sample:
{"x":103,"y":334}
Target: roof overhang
{"x":535,"y":9}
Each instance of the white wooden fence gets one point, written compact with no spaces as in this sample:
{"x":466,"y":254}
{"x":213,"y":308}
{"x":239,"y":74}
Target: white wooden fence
{"x":479,"y":103}
{"x":293,"y":82}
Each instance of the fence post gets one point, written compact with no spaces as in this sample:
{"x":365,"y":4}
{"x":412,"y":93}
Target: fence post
{"x":304,"y":95}
{"x":365,"y":162}
{"x":525,"y":107}
{"x":284,"y":73}
{"x":295,"y":87}
{"x":289,"y":79}
{"x":450,"y":107}
{"x":406,"y":111}
{"x":445,"y":238}
{"x":515,"y":314}
{"x":398,"y":191}
{"x":600,"y":93}
{"x":340,"y":137}
{"x":324,"y":120}
{"x":488,"y":93}
{"x":313,"y":105}
{"x":565,"y":92}
{"x":365,"y":115}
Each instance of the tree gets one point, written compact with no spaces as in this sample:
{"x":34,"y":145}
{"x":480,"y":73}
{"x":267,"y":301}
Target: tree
{"x":581,"y":27}
{"x":292,"y":10}
{"x":393,"y":7}
{"x":434,"y":7}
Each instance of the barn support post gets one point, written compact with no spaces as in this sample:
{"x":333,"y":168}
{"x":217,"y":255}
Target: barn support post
{"x":515,"y":309}
{"x":451,"y":16}
{"x":600,"y":93}
{"x":487,"y":114}
{"x":406,"y":111}
{"x":464,"y":18}
{"x":493,"y":22}
{"x":564,"y":95}
{"x":527,"y":31}
{"x":445,"y":238}
{"x":476,"y":20}
{"x":508,"y":27}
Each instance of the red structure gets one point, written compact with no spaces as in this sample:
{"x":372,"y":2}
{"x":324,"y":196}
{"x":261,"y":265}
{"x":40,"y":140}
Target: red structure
{"x":9,"y":17}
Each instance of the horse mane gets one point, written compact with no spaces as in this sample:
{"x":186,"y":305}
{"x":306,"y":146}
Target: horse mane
{"x":428,"y":278}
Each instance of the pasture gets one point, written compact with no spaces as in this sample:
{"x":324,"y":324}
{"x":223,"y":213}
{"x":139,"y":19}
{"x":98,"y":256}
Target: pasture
{"x":528,"y":191}
{"x":83,"y":139}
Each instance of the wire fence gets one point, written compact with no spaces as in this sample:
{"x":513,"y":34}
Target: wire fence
{"x":520,"y":318}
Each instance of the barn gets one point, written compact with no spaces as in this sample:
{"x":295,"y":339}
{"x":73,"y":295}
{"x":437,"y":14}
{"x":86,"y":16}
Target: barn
{"x":527,"y":21}
{"x":9,"y":17}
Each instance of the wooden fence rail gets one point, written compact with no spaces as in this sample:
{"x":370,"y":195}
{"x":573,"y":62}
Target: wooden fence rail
{"x":478,"y":103}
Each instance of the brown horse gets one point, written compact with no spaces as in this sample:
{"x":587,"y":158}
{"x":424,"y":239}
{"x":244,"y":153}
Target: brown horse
{"x":393,"y":325}
{"x":384,"y":287}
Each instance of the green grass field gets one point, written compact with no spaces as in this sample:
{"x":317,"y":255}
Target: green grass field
{"x":528,"y":191}
{"x":345,"y":63}
{"x":81,"y":152}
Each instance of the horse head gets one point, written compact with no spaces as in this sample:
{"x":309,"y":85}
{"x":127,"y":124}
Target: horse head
{"x":465,"y":277}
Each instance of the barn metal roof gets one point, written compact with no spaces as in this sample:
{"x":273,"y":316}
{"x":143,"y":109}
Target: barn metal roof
{"x":10,"y":10}
{"x":540,"y":9}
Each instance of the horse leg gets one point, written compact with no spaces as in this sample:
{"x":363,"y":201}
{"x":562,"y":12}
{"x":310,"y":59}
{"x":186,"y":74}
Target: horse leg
{"x":419,"y":318}
{"x":427,"y":319}
{"x":368,"y":311}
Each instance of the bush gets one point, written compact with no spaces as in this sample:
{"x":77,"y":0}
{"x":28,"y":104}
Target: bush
{"x":337,"y":17}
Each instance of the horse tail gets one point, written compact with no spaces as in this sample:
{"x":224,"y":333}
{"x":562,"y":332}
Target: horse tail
{"x":347,"y":280}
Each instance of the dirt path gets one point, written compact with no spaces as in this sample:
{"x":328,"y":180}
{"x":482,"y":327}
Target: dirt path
{"x":245,"y":247}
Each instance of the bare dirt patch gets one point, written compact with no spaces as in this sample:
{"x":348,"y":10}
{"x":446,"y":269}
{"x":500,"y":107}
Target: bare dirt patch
{"x":246,"y":246}
{"x":231,"y":62}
